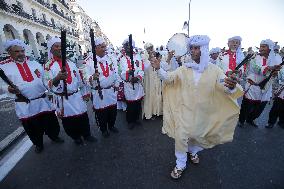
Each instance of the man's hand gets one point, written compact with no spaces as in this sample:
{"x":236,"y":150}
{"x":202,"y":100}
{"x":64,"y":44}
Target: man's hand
{"x":130,"y":72}
{"x":155,"y":63}
{"x":251,"y":82}
{"x":60,"y":76}
{"x":170,"y":56}
{"x":86,"y":98}
{"x":231,"y":81}
{"x":134,"y":80}
{"x":13,"y":90}
{"x":96,"y":76}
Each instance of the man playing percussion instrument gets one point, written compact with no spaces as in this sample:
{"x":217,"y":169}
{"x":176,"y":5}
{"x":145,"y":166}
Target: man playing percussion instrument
{"x":200,"y":109}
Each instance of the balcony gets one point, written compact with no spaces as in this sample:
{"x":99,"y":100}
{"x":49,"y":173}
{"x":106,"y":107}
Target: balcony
{"x":64,"y":4}
{"x":53,"y":8}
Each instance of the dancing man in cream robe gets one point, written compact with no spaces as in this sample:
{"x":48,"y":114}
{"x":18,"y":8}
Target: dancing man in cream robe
{"x":200,"y":108}
{"x":152,"y":103}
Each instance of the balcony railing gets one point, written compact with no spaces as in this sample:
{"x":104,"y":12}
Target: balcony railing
{"x":64,"y":4}
{"x":54,"y":9}
{"x":20,"y":12}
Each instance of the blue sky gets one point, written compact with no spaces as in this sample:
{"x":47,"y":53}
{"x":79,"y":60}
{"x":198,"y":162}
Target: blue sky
{"x":253,"y":20}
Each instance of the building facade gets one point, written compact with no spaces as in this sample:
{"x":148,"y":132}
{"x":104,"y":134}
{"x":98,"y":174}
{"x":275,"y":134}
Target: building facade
{"x":84,"y":24}
{"x":36,"y":21}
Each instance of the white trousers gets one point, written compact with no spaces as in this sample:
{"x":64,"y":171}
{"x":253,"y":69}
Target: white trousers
{"x":181,"y":157}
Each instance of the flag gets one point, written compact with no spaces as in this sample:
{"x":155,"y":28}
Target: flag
{"x":144,"y":31}
{"x":185,"y":25}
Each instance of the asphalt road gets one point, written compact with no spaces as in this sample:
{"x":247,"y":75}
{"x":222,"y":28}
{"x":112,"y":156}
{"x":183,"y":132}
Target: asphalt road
{"x":143,"y":158}
{"x":9,"y":122}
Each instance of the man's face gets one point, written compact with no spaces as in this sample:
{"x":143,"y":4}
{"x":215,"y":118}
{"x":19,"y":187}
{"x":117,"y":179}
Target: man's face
{"x":264,"y":50}
{"x":195,"y":53}
{"x":150,"y":49}
{"x":17,"y":53}
{"x":214,"y":56}
{"x":56,"y":49}
{"x":101,"y":50}
{"x":233,"y":45}
{"x":126,"y":47}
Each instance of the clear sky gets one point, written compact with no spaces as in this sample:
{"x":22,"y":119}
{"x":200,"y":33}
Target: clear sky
{"x":253,"y":20}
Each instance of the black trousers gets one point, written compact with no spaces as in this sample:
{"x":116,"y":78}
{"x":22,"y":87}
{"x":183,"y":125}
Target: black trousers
{"x":250,"y":110}
{"x":106,"y":117}
{"x":77,"y":126}
{"x":277,"y":111}
{"x":133,"y":111}
{"x":36,"y":126}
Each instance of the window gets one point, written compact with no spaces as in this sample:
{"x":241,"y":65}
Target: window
{"x":44,"y":17}
{"x":34,"y":13}
{"x":20,"y":5}
{"x":52,"y":21}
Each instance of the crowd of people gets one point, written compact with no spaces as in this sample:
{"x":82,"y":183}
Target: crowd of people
{"x":197,"y":95}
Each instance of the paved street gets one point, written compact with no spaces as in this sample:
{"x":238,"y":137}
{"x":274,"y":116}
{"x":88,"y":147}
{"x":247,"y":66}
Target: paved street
{"x":8,"y":119}
{"x":143,"y":158}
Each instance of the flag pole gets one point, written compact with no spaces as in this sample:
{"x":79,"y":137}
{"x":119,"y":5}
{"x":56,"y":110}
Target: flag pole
{"x":188,"y":17}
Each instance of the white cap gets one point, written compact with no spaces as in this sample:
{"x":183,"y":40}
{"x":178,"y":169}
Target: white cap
{"x":215,"y":50}
{"x":235,"y":38}
{"x":147,"y":45}
{"x":127,"y":40}
{"x":269,"y":43}
{"x":14,"y":42}
{"x":50,"y":43}
{"x":99,"y":41}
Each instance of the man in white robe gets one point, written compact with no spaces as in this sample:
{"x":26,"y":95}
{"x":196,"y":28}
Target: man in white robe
{"x":200,"y":108}
{"x":255,"y":99}
{"x":72,"y":111}
{"x":33,"y":108}
{"x":133,"y":88}
{"x":105,"y":106}
{"x":229,"y":59}
{"x":152,"y":102}
{"x":214,"y":54}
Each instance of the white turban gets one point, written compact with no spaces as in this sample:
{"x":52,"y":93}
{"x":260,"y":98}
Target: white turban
{"x":148,"y":45}
{"x":99,"y":41}
{"x":127,"y":40}
{"x":235,"y":38}
{"x":203,"y":42}
{"x":215,"y":50}
{"x":276,"y":47}
{"x":239,"y":54}
{"x":14,"y":42}
{"x":271,"y":56}
{"x":50,"y":43}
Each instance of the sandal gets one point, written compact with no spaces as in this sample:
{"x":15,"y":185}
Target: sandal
{"x":176,"y":173}
{"x":194,"y":158}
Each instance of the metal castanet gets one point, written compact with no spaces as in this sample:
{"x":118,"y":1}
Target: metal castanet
{"x":93,"y":44}
{"x":131,"y":57}
{"x":63,"y":58}
{"x":11,"y":84}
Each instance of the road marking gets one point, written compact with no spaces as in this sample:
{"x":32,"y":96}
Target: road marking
{"x":13,"y":157}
